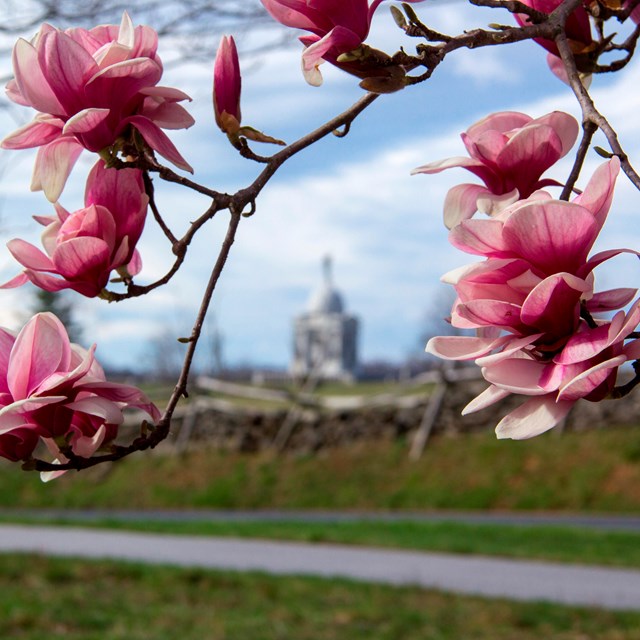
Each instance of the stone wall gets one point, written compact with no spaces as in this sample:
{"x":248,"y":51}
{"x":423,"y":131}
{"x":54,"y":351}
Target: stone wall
{"x":221,"y":425}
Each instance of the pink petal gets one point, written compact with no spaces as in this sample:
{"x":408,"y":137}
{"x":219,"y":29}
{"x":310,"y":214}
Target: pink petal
{"x":7,"y":340}
{"x":47,"y":282}
{"x":534,"y":417}
{"x":447,"y":163}
{"x":31,"y":81}
{"x":297,"y":14}
{"x":553,"y":306}
{"x":99,"y":407}
{"x":489,"y":396}
{"x":167,"y":94}
{"x":512,"y":346}
{"x":167,"y":115}
{"x":53,"y":166}
{"x":126,"y":78}
{"x":589,"y":343}
{"x":462,"y":347}
{"x":461,"y":203}
{"x":611,"y":300}
{"x":601,"y":257}
{"x":85,"y":121}
{"x":480,"y":237}
{"x":159,"y":141}
{"x":583,"y":384}
{"x":67,"y":67}
{"x":554,"y":235}
{"x":565,"y":126}
{"x":490,"y":312}
{"x":83,"y":362}
{"x":502,"y":121}
{"x":84,"y":258}
{"x":34,"y":134}
{"x":492,"y":204}
{"x":516,"y":375}
{"x":134,"y":267}
{"x":598,"y":193}
{"x":86,"y":446}
{"x":41,"y":348}
{"x":29,"y":256}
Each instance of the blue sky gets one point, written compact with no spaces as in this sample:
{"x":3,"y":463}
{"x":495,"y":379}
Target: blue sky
{"x":353,"y":198}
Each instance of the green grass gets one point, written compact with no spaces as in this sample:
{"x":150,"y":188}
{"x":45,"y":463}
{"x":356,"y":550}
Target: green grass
{"x":78,"y":600}
{"x":596,"y":471}
{"x":561,"y":544}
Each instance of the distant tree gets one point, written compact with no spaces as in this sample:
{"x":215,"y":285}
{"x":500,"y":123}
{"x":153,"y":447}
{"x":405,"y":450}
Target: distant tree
{"x":194,"y":26}
{"x":58,"y":303}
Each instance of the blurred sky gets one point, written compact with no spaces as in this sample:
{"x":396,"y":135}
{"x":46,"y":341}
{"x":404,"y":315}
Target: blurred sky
{"x":352,"y":198}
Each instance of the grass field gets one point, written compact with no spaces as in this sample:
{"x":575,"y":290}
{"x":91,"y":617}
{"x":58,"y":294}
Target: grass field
{"x":77,"y":600}
{"x":595,"y":470}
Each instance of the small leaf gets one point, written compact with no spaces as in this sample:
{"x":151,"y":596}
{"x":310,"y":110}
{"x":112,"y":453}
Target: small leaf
{"x":411,"y":14}
{"x":257,"y":136}
{"x":603,"y":152}
{"x":398,"y":17}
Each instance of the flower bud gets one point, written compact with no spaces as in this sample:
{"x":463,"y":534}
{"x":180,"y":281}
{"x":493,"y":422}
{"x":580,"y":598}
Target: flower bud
{"x":227,"y":85}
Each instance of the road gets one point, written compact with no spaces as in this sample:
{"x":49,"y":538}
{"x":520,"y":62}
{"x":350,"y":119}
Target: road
{"x":473,"y":575}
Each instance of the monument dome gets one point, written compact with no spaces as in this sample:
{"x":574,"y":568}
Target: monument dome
{"x":325,"y":336}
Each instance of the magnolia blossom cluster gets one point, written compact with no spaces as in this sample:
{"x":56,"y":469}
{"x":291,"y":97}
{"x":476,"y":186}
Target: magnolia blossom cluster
{"x":532,"y":300}
{"x":55,"y":391}
{"x":94,"y":90}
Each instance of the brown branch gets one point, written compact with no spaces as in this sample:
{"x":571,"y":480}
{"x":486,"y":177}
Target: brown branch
{"x":589,"y":110}
{"x":160,"y":431}
{"x":625,"y":389}
{"x":148,"y":186}
{"x":588,"y":131}
{"x":240,"y":200}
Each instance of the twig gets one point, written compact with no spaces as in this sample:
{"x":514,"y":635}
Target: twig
{"x":148,"y":186}
{"x":589,"y":111}
{"x":161,"y":430}
{"x":588,"y":131}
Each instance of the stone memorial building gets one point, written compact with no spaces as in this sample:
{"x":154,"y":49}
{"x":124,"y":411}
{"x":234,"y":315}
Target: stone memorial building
{"x":325,"y":337}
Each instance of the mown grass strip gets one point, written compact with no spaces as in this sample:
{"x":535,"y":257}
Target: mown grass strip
{"x":79,"y":600}
{"x":597,"y":471}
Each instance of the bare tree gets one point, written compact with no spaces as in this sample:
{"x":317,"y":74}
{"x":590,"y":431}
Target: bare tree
{"x":194,"y":26}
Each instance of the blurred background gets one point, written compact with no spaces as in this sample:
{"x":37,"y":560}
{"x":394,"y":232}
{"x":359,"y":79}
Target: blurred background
{"x":313,"y":393}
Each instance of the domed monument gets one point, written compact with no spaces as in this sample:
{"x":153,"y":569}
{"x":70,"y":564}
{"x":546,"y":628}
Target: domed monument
{"x":325,"y":337}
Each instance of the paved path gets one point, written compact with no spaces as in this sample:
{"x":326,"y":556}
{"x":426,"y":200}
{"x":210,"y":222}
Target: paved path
{"x":583,"y":521}
{"x":513,"y":579}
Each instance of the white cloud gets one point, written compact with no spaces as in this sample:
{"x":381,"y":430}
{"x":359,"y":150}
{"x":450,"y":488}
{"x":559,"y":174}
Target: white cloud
{"x":353,"y":198}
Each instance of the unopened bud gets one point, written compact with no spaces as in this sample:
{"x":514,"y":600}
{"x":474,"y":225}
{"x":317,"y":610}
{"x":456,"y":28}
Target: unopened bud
{"x":398,"y":17}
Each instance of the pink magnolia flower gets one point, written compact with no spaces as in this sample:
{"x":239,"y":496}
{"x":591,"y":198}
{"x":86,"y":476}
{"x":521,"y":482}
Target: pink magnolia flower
{"x":537,"y":276}
{"x":529,"y":300}
{"x":54,"y":390}
{"x":91,"y":88}
{"x":578,"y":30}
{"x":227,"y":85}
{"x":586,"y":368}
{"x":509,"y":152}
{"x":577,"y":26}
{"x":84,"y":247}
{"x":551,"y":235}
{"x":336,"y":28}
